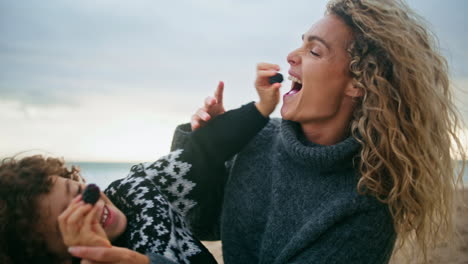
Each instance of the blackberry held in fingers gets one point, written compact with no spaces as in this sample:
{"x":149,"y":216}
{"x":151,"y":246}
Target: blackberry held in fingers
{"x":91,"y":194}
{"x":278,"y":78}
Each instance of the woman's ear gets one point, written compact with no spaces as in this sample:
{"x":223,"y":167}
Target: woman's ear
{"x":353,"y":90}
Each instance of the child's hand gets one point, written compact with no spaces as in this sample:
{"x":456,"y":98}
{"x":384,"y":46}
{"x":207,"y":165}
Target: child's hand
{"x":269,"y":93}
{"x":80,"y":226}
{"x":212,"y":108}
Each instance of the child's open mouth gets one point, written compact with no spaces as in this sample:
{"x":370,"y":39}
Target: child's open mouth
{"x":105,"y":216}
{"x":296,"y":85}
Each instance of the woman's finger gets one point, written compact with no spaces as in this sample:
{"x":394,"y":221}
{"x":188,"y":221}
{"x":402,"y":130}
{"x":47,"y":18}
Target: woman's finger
{"x":85,"y":261}
{"x":195,"y":117}
{"x":195,"y":125}
{"x":276,"y":86}
{"x":204,"y":116}
{"x":103,"y":254}
{"x":210,"y":101}
{"x":196,"y":122}
{"x":219,"y":92}
{"x":267,"y":66}
{"x":266,"y":73}
{"x":108,"y":255}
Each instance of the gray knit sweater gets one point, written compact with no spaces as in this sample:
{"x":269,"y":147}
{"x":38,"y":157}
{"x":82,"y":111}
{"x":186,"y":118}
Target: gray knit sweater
{"x":287,"y":200}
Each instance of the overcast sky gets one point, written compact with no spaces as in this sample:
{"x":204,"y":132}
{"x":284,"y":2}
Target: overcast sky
{"x":108,"y":80}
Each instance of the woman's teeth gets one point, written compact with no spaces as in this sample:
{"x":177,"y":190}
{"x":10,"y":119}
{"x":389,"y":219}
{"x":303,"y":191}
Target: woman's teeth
{"x":294,"y":79}
{"x":105,"y":215}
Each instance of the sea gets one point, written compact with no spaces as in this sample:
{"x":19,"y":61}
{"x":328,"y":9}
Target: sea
{"x":103,"y":173}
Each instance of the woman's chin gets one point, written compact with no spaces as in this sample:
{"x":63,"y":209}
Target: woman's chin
{"x":286,"y":112}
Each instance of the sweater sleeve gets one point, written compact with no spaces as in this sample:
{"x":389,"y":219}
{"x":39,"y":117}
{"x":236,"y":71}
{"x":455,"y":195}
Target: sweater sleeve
{"x":192,"y":176}
{"x":357,"y":239}
{"x":158,"y":259}
{"x":221,"y":138}
{"x":207,"y":149}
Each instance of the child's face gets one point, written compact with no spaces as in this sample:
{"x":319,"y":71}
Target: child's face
{"x":58,"y":199}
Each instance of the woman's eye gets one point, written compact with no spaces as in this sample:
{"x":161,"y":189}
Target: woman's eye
{"x":79,"y":190}
{"x":314,"y":53}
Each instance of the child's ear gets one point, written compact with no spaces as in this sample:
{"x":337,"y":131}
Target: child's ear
{"x":353,"y":90}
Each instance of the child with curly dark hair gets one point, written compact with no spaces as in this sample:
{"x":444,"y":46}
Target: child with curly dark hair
{"x":22,"y":184}
{"x":42,"y":212}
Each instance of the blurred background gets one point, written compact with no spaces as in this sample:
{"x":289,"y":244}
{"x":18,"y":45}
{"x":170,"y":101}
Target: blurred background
{"x":103,"y":83}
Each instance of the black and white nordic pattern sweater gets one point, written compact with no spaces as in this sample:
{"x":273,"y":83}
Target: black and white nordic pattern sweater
{"x":287,"y":200}
{"x":156,"y":196}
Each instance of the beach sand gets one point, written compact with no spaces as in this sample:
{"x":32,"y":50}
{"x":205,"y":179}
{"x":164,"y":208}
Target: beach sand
{"x":454,"y":252}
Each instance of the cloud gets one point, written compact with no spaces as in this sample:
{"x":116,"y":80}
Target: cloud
{"x":460,"y":96}
{"x":56,"y":50}
{"x":101,"y":46}
{"x":448,"y":20}
{"x":75,"y":74}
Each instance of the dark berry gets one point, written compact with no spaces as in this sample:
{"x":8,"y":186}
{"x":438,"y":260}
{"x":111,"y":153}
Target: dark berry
{"x":278,"y":78}
{"x":91,"y":194}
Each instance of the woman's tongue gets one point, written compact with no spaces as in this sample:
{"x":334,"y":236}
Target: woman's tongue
{"x":296,"y":87}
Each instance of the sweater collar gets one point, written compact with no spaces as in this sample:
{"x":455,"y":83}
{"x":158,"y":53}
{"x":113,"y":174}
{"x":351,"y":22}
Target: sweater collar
{"x":315,"y":155}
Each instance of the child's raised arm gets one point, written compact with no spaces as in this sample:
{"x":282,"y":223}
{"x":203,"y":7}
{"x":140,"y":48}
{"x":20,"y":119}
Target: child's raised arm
{"x":268,"y":93}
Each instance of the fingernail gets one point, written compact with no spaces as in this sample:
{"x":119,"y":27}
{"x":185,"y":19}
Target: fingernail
{"x":72,"y":250}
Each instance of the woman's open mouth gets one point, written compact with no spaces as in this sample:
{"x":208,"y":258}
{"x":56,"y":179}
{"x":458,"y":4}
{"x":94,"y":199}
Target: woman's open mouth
{"x":296,"y":85}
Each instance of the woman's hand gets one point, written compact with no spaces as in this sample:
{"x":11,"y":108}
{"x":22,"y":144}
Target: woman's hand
{"x":212,"y":108}
{"x":269,"y":93}
{"x":80,"y":227}
{"x":112,"y":255}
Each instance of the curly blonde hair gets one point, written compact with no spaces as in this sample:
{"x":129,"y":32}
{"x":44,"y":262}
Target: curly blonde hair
{"x":407,"y":122}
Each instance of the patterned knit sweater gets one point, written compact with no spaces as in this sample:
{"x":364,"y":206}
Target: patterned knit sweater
{"x":286,"y":200}
{"x":156,"y":196}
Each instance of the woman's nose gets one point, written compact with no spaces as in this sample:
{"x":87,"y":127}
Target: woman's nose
{"x":294,"y":58}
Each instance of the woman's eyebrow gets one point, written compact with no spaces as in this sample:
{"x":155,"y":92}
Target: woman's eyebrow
{"x":317,"y":38}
